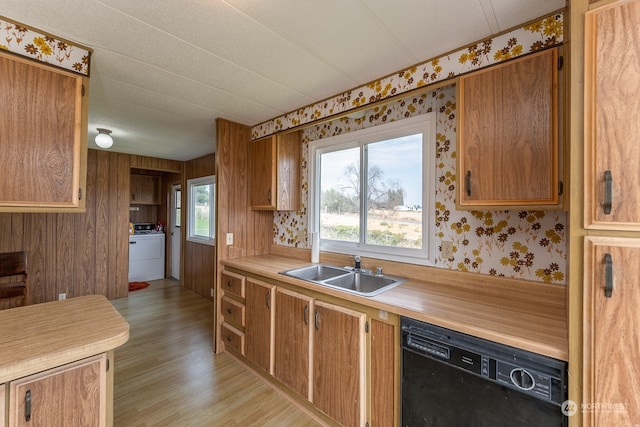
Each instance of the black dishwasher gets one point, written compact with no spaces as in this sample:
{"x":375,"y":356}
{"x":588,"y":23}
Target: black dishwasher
{"x":452,"y":379}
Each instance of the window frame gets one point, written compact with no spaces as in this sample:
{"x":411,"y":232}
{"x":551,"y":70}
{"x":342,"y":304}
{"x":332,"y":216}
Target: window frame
{"x":425,"y":124}
{"x":191,"y":185}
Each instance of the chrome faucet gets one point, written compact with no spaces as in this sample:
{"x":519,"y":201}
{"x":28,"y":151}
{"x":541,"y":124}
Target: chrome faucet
{"x":357,"y":260}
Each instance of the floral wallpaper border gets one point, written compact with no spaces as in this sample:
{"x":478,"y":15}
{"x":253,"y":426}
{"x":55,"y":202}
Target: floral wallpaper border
{"x":35,"y":44}
{"x":541,"y":34}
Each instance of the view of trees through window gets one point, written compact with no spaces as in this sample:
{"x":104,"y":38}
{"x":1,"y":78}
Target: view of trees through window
{"x":392,"y":200}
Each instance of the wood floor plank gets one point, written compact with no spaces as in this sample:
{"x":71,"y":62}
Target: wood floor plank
{"x":168,"y":375}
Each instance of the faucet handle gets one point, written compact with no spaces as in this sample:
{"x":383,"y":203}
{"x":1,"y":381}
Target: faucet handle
{"x":379,"y":271}
{"x":357,"y":260}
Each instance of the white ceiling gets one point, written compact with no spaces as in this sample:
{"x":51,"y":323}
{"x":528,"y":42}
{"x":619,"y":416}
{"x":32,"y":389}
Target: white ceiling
{"x":162,"y":71}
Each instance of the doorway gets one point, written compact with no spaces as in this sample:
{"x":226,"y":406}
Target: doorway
{"x":175,"y":233}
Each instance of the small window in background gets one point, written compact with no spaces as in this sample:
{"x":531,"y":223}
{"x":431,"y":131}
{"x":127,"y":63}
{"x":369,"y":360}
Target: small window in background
{"x":373,"y":191}
{"x":178,"y":203}
{"x":201,"y":206}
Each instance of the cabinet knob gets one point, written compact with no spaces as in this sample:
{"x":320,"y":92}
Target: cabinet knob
{"x":608,"y":273}
{"x":27,"y":406}
{"x":467,"y":183}
{"x":229,"y":311}
{"x":229,"y":283}
{"x":608,"y":192}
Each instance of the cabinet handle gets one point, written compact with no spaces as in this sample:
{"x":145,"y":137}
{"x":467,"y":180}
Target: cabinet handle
{"x":229,"y":283}
{"x":317,"y":320}
{"x":608,"y":192}
{"x":467,"y":183}
{"x":27,"y":406}
{"x":229,"y":338}
{"x":608,"y":275}
{"x":269,"y":195}
{"x":268,"y":298}
{"x":305,"y":315}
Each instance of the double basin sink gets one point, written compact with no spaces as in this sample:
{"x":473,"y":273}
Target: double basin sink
{"x":345,"y":279}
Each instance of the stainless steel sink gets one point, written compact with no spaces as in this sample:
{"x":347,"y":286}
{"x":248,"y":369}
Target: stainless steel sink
{"x":345,"y":279}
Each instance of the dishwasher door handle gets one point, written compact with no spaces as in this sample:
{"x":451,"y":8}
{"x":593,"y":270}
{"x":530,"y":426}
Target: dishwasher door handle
{"x":132,"y":243}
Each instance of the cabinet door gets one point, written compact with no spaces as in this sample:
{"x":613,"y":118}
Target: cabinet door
{"x":3,"y":413}
{"x":508,"y":134}
{"x":612,"y":128}
{"x":42,"y":136}
{"x":71,"y":395}
{"x":259,"y":333}
{"x":611,"y":331}
{"x":145,"y":189}
{"x":292,"y":341}
{"x":263,"y":176}
{"x":384,"y":347}
{"x":338,"y":363}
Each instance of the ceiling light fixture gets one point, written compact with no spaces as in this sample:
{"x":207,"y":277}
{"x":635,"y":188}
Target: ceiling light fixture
{"x":103,"y":138}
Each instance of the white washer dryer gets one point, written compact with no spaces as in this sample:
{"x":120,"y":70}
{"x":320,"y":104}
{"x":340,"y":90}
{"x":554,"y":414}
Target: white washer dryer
{"x":146,"y":257}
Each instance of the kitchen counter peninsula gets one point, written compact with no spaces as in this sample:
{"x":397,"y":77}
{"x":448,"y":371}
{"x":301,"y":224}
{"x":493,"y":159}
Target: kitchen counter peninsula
{"x":525,"y":314}
{"x":56,"y":362}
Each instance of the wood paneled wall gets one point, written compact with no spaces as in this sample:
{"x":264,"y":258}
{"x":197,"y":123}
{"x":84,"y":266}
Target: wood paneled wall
{"x":199,"y":260}
{"x":88,"y":253}
{"x":252,"y":230}
{"x":81,"y":253}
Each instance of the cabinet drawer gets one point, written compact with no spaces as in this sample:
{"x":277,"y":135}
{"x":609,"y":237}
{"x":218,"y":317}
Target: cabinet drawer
{"x":232,"y":338}
{"x":232,"y":283}
{"x":233,"y":311}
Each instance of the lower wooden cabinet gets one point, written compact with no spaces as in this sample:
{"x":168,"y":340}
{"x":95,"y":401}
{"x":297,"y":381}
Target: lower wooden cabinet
{"x":292,"y":340}
{"x":339,"y":362}
{"x":69,"y":395}
{"x":259,"y":336}
{"x":340,"y":359}
{"x":611,"y":331}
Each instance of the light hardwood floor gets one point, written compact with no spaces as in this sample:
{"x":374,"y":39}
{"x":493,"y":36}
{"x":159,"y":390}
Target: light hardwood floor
{"x":167,"y":374}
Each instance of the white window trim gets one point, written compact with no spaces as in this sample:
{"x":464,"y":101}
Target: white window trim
{"x":425,"y":124}
{"x":211,"y":179}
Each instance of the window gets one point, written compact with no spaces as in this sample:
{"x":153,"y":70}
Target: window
{"x":372,"y":191}
{"x":177,"y":203}
{"x":201,"y":204}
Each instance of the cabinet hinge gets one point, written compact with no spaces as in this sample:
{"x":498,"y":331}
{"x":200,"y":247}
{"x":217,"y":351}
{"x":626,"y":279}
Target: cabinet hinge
{"x":79,"y":193}
{"x":560,"y":62}
{"x":366,"y":424}
{"x":366,"y":326}
{"x":560,"y":188}
{"x":83,"y":90}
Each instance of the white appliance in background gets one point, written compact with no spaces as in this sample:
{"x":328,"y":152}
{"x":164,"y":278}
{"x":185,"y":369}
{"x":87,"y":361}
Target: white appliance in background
{"x":146,"y":257}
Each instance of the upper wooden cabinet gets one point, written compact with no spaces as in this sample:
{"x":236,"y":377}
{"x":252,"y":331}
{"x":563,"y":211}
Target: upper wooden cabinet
{"x":612,"y":128}
{"x":508,"y":135}
{"x":275,"y":172}
{"x":146,"y":189}
{"x":43,"y":122}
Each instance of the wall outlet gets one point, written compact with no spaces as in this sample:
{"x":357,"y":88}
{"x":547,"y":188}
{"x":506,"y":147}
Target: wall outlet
{"x":62,"y":296}
{"x":447,"y":249}
{"x":229,"y":240}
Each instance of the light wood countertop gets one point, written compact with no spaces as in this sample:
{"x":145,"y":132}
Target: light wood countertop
{"x":38,"y":337}
{"x":523,"y":314}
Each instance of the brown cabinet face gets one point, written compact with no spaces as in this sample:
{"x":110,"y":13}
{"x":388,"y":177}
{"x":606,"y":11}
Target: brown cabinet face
{"x":275,"y":173}
{"x":292,"y":340}
{"x":611,"y":330}
{"x":259,"y":330}
{"x":233,"y":284}
{"x":42,"y":136}
{"x":508,"y":135}
{"x":73,"y":394}
{"x":145,"y":189}
{"x":612,"y":128}
{"x":338,"y":363}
